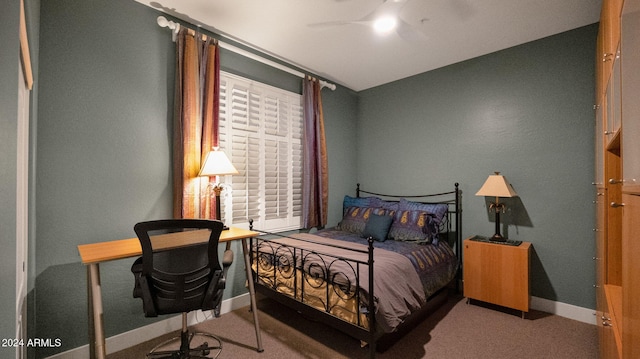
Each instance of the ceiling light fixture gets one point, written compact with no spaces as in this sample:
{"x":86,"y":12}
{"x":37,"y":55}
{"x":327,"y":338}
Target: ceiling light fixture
{"x":385,"y":24}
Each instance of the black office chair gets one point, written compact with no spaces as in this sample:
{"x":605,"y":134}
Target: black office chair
{"x":182,"y":279}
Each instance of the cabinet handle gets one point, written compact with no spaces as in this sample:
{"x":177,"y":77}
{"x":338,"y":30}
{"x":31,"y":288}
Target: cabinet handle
{"x":605,"y":318}
{"x":606,"y":324}
{"x":615,"y":181}
{"x":616,"y":205}
{"x":607,"y":133}
{"x":606,"y":57}
{"x":600,"y":194}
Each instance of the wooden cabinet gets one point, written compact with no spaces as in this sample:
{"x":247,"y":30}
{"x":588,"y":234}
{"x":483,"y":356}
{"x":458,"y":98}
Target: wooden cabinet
{"x":617,"y":177}
{"x":497,"y":273}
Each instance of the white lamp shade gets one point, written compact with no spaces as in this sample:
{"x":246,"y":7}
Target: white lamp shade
{"x":216,"y":163}
{"x":497,"y":186}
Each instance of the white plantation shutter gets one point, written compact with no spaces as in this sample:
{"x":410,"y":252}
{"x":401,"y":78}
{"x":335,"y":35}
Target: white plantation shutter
{"x":296,"y":158}
{"x":261,"y":131}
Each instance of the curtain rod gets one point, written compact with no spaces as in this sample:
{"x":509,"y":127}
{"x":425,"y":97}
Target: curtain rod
{"x":175,"y":28}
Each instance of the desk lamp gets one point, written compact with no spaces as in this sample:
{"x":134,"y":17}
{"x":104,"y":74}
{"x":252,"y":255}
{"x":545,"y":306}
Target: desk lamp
{"x":497,"y":186}
{"x":216,"y":163}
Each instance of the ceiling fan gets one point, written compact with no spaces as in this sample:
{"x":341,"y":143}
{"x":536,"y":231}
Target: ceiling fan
{"x":383,"y":19}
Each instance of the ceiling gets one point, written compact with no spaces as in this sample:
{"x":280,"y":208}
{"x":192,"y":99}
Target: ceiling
{"x":443,"y":32}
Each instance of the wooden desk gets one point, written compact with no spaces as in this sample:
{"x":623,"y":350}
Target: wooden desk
{"x":95,"y":253}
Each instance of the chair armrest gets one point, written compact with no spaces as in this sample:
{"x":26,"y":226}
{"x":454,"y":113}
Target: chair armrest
{"x":141,"y":289}
{"x":227,"y":258}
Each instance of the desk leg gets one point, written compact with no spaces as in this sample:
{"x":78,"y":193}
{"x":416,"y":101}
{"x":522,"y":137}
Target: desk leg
{"x":92,"y":332}
{"x":252,"y":292}
{"x":96,"y":328}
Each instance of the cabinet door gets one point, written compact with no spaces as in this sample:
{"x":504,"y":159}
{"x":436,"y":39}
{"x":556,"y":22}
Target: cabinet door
{"x":497,"y":273}
{"x":599,"y":64}
{"x":610,"y":24}
{"x":602,"y":311}
{"x":631,"y":276}
{"x":613,"y":100}
{"x":599,"y":140}
{"x":615,"y":91}
{"x":630,"y":69}
{"x":601,"y":249}
{"x":608,"y":347}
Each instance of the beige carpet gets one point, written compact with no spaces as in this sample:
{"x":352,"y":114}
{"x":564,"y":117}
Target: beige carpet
{"x":456,"y":330}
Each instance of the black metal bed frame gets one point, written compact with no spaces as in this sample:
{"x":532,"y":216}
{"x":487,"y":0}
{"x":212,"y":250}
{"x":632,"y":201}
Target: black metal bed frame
{"x":289,"y":262}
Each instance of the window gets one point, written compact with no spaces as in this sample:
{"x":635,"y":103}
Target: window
{"x":261,"y":132}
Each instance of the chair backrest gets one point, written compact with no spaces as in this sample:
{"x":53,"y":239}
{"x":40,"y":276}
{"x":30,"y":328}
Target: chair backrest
{"x":179,"y":279}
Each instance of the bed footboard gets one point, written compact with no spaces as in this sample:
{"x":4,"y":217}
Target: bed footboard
{"x":324,"y":282}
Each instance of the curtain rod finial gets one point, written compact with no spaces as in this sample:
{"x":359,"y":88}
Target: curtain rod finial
{"x":175,"y":27}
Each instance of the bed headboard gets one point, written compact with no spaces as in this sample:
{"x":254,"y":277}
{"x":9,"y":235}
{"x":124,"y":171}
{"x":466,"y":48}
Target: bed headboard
{"x":452,"y":226}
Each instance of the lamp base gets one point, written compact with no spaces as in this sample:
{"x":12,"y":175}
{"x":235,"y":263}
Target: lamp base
{"x":498,"y":238}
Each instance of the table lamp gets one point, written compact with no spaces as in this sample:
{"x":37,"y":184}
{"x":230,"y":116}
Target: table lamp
{"x":216,"y":163}
{"x":497,"y":186}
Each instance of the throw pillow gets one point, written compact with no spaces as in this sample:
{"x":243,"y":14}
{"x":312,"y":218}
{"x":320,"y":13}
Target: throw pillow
{"x":377,"y":227}
{"x":411,"y":226}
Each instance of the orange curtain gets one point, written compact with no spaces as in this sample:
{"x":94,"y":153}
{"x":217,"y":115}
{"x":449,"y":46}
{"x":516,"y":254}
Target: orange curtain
{"x":315,"y":173}
{"x":195,"y":133}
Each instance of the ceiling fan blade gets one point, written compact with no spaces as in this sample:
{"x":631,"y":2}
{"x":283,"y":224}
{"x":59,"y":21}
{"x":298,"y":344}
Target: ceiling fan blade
{"x":388,"y":7}
{"x":327,"y":24}
{"x":409,"y":33}
{"x":463,"y":8}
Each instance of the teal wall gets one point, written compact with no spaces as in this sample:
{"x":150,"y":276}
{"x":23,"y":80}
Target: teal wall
{"x":103,"y":144}
{"x":526,"y":111}
{"x":103,"y":150}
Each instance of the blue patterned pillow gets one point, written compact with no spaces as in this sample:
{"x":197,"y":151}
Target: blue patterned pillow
{"x":438,"y":210}
{"x":373,"y":202}
{"x":380,"y":203}
{"x":355,"y":218}
{"x":378,"y":227}
{"x":355,"y":202}
{"x":416,"y":226}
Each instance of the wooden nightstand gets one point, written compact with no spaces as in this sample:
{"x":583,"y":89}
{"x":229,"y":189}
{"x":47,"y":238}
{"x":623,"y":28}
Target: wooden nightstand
{"x":497,"y":273}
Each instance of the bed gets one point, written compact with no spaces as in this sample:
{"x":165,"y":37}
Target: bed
{"x":347,"y":276}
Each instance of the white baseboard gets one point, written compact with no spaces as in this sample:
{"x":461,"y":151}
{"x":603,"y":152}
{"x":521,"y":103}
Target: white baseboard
{"x":580,"y":314}
{"x":148,"y":332}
